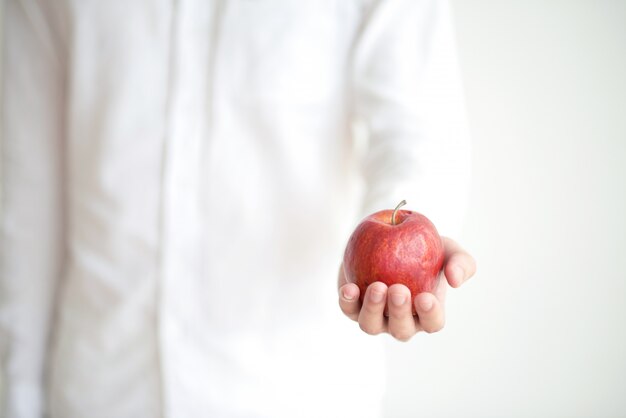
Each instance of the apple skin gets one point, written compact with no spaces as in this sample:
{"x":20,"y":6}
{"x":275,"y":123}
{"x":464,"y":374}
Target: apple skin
{"x":410,"y":252}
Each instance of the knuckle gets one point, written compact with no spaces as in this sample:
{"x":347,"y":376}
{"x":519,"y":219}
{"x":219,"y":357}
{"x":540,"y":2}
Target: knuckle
{"x":398,"y":313}
{"x":372,"y":309}
{"x":347,"y":308}
{"x":401,"y":335}
{"x":348,"y":312}
{"x":468,"y":263}
{"x":434,"y":327}
{"x":369,"y":328}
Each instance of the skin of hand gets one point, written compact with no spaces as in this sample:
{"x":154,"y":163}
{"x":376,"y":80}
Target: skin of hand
{"x":388,"y":310}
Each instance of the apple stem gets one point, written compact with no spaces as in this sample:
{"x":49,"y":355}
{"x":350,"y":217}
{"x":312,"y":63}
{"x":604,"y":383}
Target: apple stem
{"x":393,"y":216}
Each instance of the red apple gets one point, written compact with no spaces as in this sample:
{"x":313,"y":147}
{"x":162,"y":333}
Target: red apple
{"x":394,"y":246}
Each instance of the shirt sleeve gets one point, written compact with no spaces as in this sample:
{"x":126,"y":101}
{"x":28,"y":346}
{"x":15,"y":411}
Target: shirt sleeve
{"x":408,"y":95}
{"x":31,"y":241}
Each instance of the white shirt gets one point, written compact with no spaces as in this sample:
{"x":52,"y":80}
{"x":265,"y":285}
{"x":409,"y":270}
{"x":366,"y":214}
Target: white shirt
{"x":179,"y":179}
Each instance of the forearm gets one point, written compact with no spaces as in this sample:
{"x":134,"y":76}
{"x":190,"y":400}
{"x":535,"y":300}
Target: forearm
{"x":408,"y":94}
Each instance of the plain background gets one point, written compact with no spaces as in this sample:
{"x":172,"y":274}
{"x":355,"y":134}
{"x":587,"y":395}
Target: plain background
{"x":540,"y":331}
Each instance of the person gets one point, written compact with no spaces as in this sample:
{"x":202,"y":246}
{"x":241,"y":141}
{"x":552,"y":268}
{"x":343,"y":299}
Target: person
{"x":179,"y":179}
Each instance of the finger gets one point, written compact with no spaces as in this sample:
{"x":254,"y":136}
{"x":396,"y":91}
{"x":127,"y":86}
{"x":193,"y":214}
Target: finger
{"x":459,"y":265}
{"x":349,"y":300}
{"x":341,"y":277}
{"x":401,"y":323}
{"x":440,"y":290}
{"x":371,"y":318}
{"x":429,"y":312}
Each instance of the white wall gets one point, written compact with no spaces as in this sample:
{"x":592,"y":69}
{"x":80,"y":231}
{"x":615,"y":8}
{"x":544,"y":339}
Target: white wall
{"x":540,"y":331}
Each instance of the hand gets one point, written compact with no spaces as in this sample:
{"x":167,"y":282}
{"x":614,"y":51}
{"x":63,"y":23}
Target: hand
{"x":398,"y":319}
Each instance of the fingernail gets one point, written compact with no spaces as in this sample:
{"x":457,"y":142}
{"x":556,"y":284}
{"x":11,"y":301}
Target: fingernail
{"x":426,"y":305}
{"x":376,"y":296}
{"x":459,"y":273}
{"x":348,"y":293}
{"x":398,"y":299}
